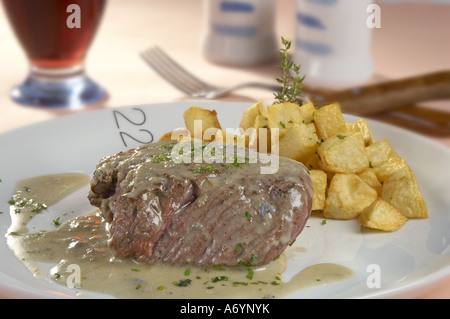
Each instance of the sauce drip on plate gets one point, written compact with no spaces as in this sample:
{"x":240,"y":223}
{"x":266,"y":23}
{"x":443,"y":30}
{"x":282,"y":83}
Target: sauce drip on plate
{"x":76,"y":255}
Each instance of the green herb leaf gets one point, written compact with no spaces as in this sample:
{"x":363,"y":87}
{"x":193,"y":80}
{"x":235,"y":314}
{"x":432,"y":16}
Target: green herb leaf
{"x":56,"y":221}
{"x":291,"y":85}
{"x":219,"y":278}
{"x":217,"y":267}
{"x":182,"y":282}
{"x":250,"y":273}
{"x":209,"y":168}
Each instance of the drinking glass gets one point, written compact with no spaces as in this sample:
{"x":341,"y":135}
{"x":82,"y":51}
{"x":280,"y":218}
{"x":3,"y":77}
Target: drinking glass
{"x":56,"y":35}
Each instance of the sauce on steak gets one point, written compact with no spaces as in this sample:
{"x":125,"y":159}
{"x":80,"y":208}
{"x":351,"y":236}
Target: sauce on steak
{"x":221,"y":213}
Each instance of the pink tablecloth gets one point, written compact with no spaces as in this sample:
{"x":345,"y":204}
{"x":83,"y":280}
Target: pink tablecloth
{"x":413,"y":39}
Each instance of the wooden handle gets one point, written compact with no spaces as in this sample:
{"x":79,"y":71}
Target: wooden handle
{"x":425,"y":120}
{"x":385,"y":96}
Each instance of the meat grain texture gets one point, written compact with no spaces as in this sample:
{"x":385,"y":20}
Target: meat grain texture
{"x":203,"y":214}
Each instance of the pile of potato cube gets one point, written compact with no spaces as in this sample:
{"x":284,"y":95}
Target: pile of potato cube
{"x":353,"y":175}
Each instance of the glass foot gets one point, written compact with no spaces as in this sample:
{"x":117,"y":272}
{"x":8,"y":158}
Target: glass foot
{"x":71,"y":92}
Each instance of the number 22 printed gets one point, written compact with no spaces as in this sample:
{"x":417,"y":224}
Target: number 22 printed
{"x":128,"y":126}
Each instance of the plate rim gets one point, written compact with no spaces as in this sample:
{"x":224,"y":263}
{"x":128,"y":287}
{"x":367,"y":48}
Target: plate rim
{"x":410,"y":288}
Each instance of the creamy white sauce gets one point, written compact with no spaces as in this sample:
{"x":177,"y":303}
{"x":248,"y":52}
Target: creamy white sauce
{"x":79,"y":250}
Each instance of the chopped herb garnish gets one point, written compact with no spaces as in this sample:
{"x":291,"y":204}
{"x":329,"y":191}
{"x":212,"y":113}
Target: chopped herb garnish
{"x":324,"y":222}
{"x":274,"y":283}
{"x":243,"y":283}
{"x":160,"y":158}
{"x":249,"y":216}
{"x":160,"y":288}
{"x":187,"y":272}
{"x":138,"y":286}
{"x":21,"y":202}
{"x":217,"y":267}
{"x":209,"y":168}
{"x":282,"y":125}
{"x":250,"y":273}
{"x":183,"y":282}
{"x":249,"y":262}
{"x":169,"y":147}
{"x":259,"y":282}
{"x":219,"y":278}
{"x":37,"y":207}
{"x":238,"y":247}
{"x":236,"y":162}
{"x":56,"y":221}
{"x":340,"y":136}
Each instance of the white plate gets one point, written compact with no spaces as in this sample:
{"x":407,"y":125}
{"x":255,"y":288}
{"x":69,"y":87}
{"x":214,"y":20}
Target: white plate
{"x":407,"y":261}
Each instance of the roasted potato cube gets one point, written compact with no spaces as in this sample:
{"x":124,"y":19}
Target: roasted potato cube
{"x":176,"y":135}
{"x":262,"y":109}
{"x":323,"y":168}
{"x":260,"y":122}
{"x":198,"y":120}
{"x":347,"y":197}
{"x":283,"y":115}
{"x":250,"y":114}
{"x":329,"y":121}
{"x":299,"y":142}
{"x":313,"y":162}
{"x":402,"y":191}
{"x":369,"y":177}
{"x":344,"y":153}
{"x":259,"y":129}
{"x":382,"y":216}
{"x":383,"y":159}
{"x":262,"y":133}
{"x":319,"y":179}
{"x":225,"y":137}
{"x":167,"y":137}
{"x":307,"y":113}
{"x":363,"y":127}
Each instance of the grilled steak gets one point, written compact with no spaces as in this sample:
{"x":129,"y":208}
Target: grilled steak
{"x":201,"y":214}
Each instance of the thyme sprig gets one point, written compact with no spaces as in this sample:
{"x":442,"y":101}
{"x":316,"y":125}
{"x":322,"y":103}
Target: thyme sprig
{"x":290,"y":79}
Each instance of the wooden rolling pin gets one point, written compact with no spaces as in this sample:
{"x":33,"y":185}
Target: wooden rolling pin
{"x":386,"y":96}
